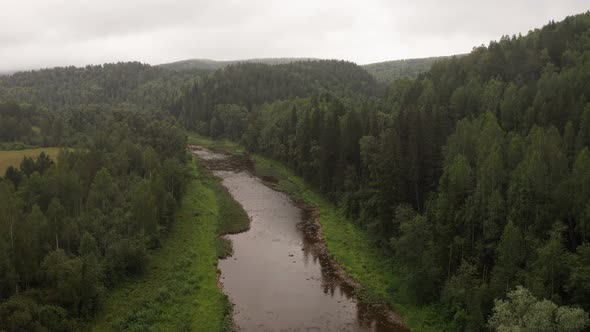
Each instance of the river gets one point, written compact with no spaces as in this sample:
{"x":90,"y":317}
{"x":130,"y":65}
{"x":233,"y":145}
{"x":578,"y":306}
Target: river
{"x":274,"y":277}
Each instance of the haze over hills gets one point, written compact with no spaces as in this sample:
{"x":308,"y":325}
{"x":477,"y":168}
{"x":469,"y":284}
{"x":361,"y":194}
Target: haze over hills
{"x":384,"y":72}
{"x":8,"y":72}
{"x":209,"y":64}
{"x":190,"y":64}
{"x":388,"y":71}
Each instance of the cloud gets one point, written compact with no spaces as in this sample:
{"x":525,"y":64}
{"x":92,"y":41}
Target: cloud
{"x":43,"y":33}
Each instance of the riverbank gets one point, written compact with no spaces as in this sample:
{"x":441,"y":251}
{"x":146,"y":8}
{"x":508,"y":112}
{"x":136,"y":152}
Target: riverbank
{"x":179,"y":290}
{"x":348,"y":245}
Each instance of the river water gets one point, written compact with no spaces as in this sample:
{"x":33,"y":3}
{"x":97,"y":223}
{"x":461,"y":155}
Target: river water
{"x":274,"y":278}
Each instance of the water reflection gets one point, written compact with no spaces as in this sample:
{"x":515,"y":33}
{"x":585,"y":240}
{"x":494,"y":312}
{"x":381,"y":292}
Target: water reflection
{"x":278,"y":278}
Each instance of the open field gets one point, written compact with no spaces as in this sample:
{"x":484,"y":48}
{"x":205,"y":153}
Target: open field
{"x":218,"y":145}
{"x":14,"y":157}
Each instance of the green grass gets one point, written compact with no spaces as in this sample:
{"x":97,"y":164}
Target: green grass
{"x":179,"y":290}
{"x":349,"y":245}
{"x":354,"y":250}
{"x":232,"y":217}
{"x":219,"y":145}
{"x":14,"y":157}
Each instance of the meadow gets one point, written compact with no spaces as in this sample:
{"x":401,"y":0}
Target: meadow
{"x":14,"y":157}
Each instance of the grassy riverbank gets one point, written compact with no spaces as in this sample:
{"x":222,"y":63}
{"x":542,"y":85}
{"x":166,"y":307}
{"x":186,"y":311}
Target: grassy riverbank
{"x":350,"y":245}
{"x":179,"y":291}
{"x":232,"y":218}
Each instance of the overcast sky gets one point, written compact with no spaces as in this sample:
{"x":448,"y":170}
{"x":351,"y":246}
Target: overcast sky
{"x":46,"y":33}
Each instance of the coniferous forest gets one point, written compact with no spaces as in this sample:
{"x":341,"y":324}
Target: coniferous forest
{"x":473,"y":178}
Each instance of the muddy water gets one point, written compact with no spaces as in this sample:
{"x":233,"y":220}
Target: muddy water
{"x":274,"y":278}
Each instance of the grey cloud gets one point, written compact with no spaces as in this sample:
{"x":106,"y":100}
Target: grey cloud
{"x":42,"y":33}
{"x":484,"y":18}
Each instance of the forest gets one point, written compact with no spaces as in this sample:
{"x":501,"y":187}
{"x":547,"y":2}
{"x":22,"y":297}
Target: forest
{"x":126,"y":85}
{"x":473,"y":177}
{"x":75,"y":226}
{"x":389,"y":71}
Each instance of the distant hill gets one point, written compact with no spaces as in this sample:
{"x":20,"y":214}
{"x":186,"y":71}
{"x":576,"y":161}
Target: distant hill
{"x":7,"y":72}
{"x":208,"y":64}
{"x":389,"y":71}
{"x":141,"y":85}
{"x":386,"y":72}
{"x":251,"y":84}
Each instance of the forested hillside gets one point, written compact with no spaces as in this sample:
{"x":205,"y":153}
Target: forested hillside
{"x":389,"y":71}
{"x":475,"y":177}
{"x":132,"y":84}
{"x":250,"y":84}
{"x":73,"y":227}
{"x":207,"y":64}
{"x":76,"y":226}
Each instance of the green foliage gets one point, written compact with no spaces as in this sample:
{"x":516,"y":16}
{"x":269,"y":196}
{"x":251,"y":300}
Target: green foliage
{"x":15,"y":123}
{"x":249,"y":84}
{"x":389,"y":71}
{"x":488,"y":149}
{"x":523,"y":312}
{"x":233,"y":218}
{"x":103,"y":192}
{"x":143,"y":211}
{"x":230,"y":121}
{"x":579,"y":282}
{"x":74,"y":227}
{"x":551,"y":267}
{"x":129,"y":84}
{"x":21,"y":313}
{"x":414,"y":250}
{"x":74,"y":283}
{"x":178,"y":290}
{"x":510,"y":258}
{"x":464,"y":292}
{"x":207,"y":64}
